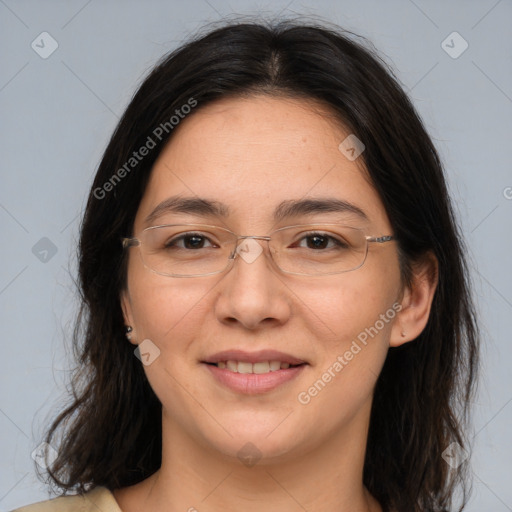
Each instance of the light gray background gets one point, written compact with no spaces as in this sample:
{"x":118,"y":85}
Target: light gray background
{"x":57,"y":115}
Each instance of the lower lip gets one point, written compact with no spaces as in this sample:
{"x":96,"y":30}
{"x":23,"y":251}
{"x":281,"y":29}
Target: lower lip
{"x":254,"y":383}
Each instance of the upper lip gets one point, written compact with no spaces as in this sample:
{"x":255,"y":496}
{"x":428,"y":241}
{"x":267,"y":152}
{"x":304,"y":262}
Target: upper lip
{"x":253,"y":357}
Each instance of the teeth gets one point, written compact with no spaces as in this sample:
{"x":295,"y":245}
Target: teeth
{"x":258,"y":368}
{"x":244,"y":367}
{"x":274,"y":365}
{"x":263,"y":367}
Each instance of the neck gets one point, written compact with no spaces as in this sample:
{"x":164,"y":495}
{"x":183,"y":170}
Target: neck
{"x":195,"y":477}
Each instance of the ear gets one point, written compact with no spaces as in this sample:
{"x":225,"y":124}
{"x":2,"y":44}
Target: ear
{"x":416,"y":301}
{"x":126,"y":306}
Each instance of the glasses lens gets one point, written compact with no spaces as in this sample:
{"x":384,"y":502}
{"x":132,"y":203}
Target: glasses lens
{"x":197,"y":249}
{"x":186,"y":250}
{"x":319,"y":249}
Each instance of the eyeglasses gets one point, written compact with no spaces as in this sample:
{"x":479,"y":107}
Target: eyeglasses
{"x":195,"y":250}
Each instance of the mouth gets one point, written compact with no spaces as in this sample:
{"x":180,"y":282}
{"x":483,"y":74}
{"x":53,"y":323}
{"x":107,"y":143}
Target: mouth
{"x":258,"y":368}
{"x":253,"y":372}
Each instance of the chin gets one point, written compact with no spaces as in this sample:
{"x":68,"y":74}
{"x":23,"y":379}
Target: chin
{"x":264,"y":440}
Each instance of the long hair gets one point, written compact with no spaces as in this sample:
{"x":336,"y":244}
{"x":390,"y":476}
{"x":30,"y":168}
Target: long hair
{"x":111,"y":429}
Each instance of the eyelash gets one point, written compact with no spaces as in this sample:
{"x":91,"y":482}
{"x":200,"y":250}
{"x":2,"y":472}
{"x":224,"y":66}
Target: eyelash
{"x":172,"y":243}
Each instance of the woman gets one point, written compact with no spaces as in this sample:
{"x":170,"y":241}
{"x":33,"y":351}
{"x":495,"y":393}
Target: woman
{"x":276,"y":310}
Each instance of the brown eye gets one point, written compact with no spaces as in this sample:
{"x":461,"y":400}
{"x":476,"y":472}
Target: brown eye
{"x":316,"y":241}
{"x":190,"y":241}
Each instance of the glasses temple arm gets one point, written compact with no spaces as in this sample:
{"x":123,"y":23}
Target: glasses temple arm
{"x":129,"y":242}
{"x":380,"y":239}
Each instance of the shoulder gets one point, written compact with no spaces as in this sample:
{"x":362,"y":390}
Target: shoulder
{"x":100,"y":498}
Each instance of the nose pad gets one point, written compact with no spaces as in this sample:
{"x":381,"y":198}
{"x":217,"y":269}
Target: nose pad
{"x":249,"y":250}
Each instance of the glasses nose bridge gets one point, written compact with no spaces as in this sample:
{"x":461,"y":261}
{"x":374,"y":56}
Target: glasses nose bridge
{"x":256,"y":237}
{"x":233,"y":254}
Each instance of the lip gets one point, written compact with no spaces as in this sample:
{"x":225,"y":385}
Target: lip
{"x":254,"y":383}
{"x":253,"y":357}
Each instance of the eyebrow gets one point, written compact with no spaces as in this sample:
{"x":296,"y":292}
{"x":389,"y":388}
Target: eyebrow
{"x":286,"y":209}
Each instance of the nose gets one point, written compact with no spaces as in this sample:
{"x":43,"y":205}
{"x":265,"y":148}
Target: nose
{"x":252,"y":293}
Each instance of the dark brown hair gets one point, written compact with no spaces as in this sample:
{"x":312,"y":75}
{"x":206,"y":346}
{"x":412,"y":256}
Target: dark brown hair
{"x":111,"y":430}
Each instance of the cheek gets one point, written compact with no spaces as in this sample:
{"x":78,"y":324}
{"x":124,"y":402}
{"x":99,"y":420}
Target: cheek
{"x":351,"y":341}
{"x":165,"y":308}
{"x":339,"y":310}
{"x":352,"y":356}
{"x":170,"y":313}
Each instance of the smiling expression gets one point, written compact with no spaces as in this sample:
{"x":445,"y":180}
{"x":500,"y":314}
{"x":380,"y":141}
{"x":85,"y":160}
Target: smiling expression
{"x":237,"y":348}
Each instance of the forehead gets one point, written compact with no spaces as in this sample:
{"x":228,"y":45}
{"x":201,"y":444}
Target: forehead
{"x":254,"y":153}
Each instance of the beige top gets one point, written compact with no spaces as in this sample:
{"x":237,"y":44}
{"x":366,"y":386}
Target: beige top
{"x":98,"y":499}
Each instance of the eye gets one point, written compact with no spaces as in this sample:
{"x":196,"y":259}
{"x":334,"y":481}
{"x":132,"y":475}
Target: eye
{"x":190,"y":241}
{"x":317,"y":240}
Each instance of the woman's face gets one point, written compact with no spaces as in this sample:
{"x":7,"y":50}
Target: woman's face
{"x":252,"y":155}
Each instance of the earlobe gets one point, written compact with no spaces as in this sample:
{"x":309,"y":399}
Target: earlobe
{"x":416,"y":302}
{"x":128,"y":317}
